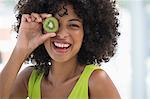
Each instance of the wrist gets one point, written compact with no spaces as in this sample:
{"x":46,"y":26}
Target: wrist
{"x":20,"y":53}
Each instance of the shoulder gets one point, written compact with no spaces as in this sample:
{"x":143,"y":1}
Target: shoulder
{"x":98,"y":77}
{"x":26,"y":72}
{"x":101,"y":86}
{"x":21,"y":84}
{"x":24,"y":75}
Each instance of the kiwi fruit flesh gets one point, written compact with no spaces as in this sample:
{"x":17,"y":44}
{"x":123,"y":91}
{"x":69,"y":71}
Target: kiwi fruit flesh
{"x":50,"y":24}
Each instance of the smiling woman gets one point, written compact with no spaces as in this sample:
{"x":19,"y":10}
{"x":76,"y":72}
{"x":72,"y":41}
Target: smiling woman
{"x":64,"y":60}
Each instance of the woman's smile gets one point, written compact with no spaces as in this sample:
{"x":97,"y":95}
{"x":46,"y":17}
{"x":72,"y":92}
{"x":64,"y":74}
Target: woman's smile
{"x":61,"y":47}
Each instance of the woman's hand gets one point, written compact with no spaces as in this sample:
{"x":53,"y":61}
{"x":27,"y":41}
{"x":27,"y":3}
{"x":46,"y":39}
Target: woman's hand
{"x":30,"y":32}
{"x":30,"y":37}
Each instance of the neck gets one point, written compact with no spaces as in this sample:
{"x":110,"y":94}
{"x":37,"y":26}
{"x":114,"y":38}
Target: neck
{"x":62,"y":72}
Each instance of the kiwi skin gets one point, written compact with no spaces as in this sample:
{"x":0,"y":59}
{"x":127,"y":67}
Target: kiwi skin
{"x":53,"y":22}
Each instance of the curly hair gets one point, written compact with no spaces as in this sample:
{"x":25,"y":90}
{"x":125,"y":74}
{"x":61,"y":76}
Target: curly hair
{"x":100,"y":25}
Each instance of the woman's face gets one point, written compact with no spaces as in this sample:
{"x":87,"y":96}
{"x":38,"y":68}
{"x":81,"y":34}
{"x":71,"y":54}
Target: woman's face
{"x":68,"y":40}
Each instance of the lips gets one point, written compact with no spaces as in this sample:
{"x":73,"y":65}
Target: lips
{"x":61,"y":47}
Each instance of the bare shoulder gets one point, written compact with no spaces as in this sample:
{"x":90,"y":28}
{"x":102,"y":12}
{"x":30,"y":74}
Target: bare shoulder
{"x":99,"y":78}
{"x":101,"y":86}
{"x":21,"y":84}
{"x":25,"y":73}
{"x":23,"y":76}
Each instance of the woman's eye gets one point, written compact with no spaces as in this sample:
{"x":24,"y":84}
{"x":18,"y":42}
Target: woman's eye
{"x":74,"y":25}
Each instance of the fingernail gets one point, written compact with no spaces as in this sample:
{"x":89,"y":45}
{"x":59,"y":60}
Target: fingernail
{"x":49,"y":15}
{"x":29,"y":20}
{"x":40,"y":20}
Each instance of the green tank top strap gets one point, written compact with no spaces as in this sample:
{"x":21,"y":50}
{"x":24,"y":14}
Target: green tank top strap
{"x":81,"y":88}
{"x":34,"y":83}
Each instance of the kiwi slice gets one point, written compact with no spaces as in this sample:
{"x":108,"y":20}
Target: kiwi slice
{"x":50,"y":24}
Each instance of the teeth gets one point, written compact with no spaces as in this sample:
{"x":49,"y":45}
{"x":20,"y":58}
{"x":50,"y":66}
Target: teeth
{"x":61,"y":45}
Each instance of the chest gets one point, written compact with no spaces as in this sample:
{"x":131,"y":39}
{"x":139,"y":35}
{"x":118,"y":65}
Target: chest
{"x":60,"y":91}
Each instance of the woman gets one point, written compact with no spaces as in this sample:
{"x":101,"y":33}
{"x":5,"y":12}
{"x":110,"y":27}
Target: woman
{"x":64,"y":60}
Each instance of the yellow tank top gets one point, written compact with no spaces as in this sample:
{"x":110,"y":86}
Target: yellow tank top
{"x":80,"y":90}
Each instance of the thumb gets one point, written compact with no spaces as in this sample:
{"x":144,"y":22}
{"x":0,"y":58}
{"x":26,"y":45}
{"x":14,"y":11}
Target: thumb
{"x":47,"y":36}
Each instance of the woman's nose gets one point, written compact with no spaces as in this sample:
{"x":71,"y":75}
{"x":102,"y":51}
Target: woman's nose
{"x":62,"y":33}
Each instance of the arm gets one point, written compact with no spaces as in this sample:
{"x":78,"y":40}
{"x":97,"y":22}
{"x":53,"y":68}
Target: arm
{"x":29,"y":38}
{"x":101,"y":86}
{"x":9,"y":73}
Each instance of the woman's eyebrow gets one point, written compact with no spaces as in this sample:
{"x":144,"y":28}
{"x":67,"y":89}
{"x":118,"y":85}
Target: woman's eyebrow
{"x":75,"y":20}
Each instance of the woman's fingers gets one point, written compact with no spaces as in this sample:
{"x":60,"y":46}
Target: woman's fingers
{"x":45,"y":15}
{"x":36,"y":17}
{"x":26,"y":18}
{"x":33,"y":18}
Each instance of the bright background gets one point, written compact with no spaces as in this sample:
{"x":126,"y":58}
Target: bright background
{"x":129,"y":69}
